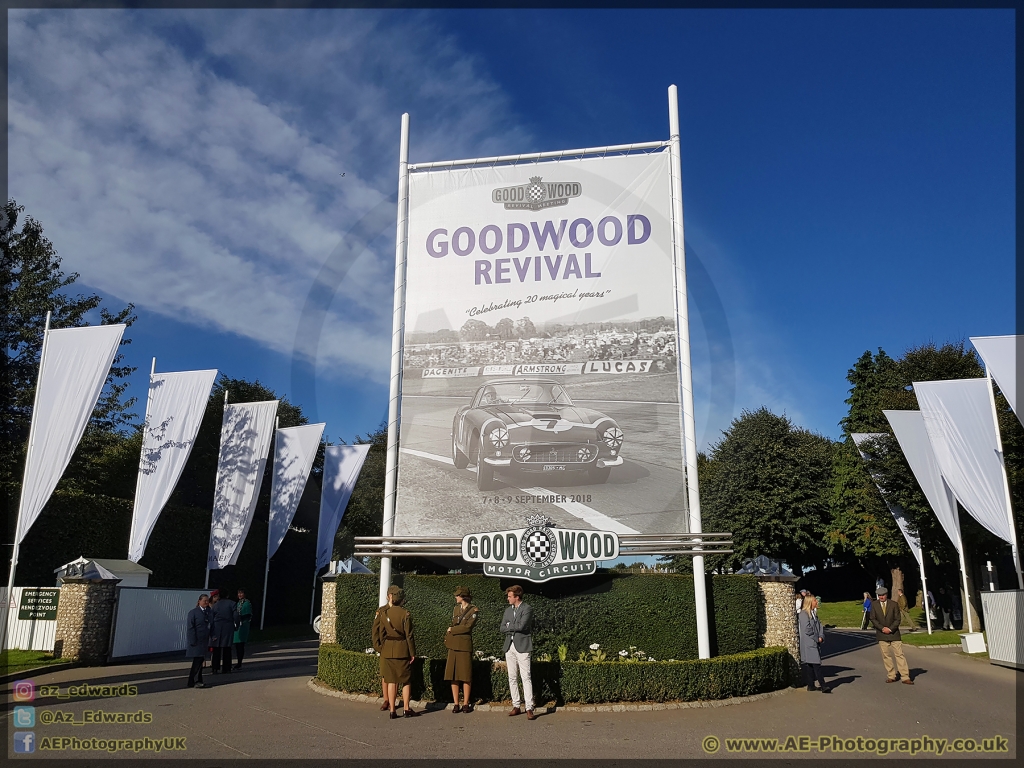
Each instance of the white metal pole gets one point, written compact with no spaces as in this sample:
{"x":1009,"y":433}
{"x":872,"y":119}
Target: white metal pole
{"x":216,"y":482}
{"x":266,"y":571}
{"x":963,"y":572}
{"x":21,"y":503}
{"x":142,"y":455}
{"x":685,"y":372}
{"x":924,"y":592}
{"x":1006,"y":484}
{"x":397,"y":348}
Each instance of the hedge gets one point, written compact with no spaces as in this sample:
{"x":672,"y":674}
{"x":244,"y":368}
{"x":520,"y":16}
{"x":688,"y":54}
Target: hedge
{"x":652,"y":611}
{"x":742,"y":674}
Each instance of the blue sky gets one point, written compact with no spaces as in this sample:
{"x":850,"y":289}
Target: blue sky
{"x":848,"y":176}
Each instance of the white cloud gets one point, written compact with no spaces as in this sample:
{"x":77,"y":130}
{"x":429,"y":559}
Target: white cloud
{"x":191,"y":162}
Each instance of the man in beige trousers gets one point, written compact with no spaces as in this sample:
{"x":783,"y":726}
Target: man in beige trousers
{"x":885,"y":618}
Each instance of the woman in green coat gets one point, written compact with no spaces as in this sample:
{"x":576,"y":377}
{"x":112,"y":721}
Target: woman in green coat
{"x":242,"y":630}
{"x":459,"y":642}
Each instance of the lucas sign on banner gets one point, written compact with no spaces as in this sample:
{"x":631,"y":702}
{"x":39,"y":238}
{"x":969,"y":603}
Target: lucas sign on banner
{"x":540,"y":361}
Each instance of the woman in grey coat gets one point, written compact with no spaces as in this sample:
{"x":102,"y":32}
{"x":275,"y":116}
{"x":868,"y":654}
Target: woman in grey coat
{"x":224,"y":613}
{"x":197,"y":635}
{"x":811,"y":637}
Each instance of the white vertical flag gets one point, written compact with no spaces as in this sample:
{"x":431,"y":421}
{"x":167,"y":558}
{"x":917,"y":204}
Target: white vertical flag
{"x":73,"y":368}
{"x":341,"y":468}
{"x":244,"y":444}
{"x":910,"y":431}
{"x":294,"y":451}
{"x":1000,"y":356}
{"x":177,"y":402}
{"x":894,"y":509}
{"x":962,"y":432}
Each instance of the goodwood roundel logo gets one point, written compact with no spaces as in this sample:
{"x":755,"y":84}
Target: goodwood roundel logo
{"x":537,"y":195}
{"x":538,"y":546}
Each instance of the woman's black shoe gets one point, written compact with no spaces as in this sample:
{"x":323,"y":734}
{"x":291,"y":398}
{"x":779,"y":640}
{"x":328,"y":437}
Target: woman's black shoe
{"x":411,"y":713}
{"x":467,"y":708}
{"x":456,"y":709}
{"x":393,"y":715}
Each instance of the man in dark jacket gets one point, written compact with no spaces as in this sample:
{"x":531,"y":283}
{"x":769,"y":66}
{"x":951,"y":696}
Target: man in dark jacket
{"x":197,"y":635}
{"x":885,"y":618}
{"x":224,"y":614}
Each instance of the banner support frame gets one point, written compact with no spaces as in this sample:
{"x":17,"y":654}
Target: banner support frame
{"x":1006,"y":482}
{"x":21,"y":501}
{"x":397,"y":354}
{"x":685,"y":372}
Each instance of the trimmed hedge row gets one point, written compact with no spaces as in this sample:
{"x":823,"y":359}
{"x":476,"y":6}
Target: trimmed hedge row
{"x":655,"y":612}
{"x":741,"y":674}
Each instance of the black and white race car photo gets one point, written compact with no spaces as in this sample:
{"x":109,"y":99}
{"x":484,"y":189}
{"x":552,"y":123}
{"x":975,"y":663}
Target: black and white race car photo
{"x":532,"y":425}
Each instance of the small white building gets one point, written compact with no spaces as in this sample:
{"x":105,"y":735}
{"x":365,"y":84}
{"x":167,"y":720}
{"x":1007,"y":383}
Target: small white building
{"x":131,"y":574}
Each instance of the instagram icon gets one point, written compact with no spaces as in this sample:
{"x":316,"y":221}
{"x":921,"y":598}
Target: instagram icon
{"x":24,"y":690}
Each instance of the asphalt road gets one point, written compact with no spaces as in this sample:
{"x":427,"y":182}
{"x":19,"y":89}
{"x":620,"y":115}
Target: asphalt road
{"x":646,"y":494}
{"x":267,"y":711}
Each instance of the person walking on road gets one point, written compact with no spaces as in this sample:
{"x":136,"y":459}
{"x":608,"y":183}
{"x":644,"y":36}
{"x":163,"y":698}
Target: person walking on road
{"x":459,"y":642}
{"x":905,"y":621}
{"x":885,"y":617}
{"x":811,"y":638}
{"x":242,"y":632}
{"x":517,"y":626}
{"x":197,"y":638}
{"x":867,"y":610}
{"x":946,"y":606}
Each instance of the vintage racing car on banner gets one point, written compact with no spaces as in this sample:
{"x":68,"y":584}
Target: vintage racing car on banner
{"x":531,"y":425}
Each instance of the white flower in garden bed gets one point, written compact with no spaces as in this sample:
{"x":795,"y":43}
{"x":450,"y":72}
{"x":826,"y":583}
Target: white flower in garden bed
{"x":369,"y":650}
{"x":594,"y":646}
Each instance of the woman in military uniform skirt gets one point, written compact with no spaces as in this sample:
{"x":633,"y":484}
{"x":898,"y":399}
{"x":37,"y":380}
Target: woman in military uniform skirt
{"x":459,"y":642}
{"x":377,"y":641}
{"x":398,"y":651}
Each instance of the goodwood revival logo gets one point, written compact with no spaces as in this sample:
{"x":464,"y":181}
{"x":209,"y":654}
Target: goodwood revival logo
{"x":539,"y":553}
{"x":537,"y":195}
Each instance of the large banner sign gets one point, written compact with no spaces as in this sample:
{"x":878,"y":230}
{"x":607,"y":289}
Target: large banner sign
{"x":540,"y":373}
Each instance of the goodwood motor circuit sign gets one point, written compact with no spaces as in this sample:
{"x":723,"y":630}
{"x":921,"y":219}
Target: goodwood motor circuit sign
{"x":540,"y":552}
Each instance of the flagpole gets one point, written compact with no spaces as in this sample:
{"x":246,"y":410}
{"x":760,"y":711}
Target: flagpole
{"x":216,"y":482}
{"x":397,"y":349}
{"x":1006,"y":482}
{"x":266,"y":571}
{"x":312,"y":599}
{"x":21,"y":502}
{"x":686,"y":373}
{"x":924,"y":590}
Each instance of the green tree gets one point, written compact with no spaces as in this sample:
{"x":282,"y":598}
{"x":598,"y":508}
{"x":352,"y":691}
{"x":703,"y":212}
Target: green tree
{"x":768,"y":482}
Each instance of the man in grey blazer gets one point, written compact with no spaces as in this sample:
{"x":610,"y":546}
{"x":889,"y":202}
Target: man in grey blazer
{"x":517,"y":624}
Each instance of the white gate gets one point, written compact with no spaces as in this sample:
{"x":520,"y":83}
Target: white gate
{"x":149,"y":620}
{"x":1004,"y":626}
{"x":28,"y":634}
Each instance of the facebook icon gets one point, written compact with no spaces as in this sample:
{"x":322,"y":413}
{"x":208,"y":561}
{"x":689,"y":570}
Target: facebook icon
{"x":24,"y":742}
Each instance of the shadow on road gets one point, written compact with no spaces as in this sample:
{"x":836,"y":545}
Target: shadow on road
{"x":265,"y":663}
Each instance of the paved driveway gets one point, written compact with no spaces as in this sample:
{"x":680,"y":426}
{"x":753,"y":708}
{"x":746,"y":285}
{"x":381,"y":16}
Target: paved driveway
{"x":267,"y":711}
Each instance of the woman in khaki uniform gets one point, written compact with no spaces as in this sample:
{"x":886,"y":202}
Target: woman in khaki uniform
{"x":459,"y":642}
{"x":398,"y":651}
{"x":377,"y":640}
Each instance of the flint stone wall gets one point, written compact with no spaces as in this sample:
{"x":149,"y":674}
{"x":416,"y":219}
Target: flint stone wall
{"x":778,"y":617}
{"x":84,"y":616}
{"x":328,"y":612}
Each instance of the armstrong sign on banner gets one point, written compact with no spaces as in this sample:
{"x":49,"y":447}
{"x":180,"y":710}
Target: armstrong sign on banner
{"x":540,"y":353}
{"x":540,"y":552}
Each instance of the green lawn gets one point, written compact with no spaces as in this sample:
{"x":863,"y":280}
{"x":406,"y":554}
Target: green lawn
{"x":850,"y":612}
{"x":14,"y":661}
{"x":938,"y":637}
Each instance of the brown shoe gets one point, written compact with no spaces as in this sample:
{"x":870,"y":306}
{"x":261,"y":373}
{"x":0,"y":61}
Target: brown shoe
{"x":908,"y":681}
{"x":411,"y":713}
{"x":467,"y":708}
{"x":530,"y":715}
{"x":384,"y":707}
{"x":515,"y":711}
{"x":890,"y":679}
{"x":456,"y":709}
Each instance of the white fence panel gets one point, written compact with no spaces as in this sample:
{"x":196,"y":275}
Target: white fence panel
{"x":1004,"y":626}
{"x":27,"y":634}
{"x":151,"y":620}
